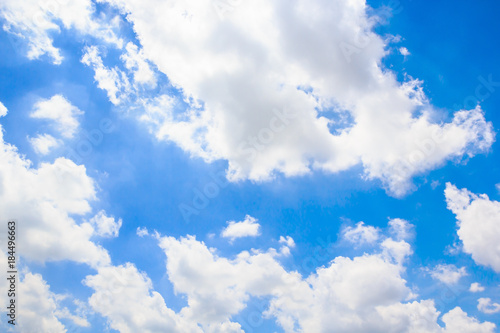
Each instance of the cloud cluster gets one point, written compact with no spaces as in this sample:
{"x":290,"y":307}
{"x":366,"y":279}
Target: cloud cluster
{"x":289,"y":57}
{"x":366,"y":293}
{"x":246,"y":228}
{"x":478,"y":226}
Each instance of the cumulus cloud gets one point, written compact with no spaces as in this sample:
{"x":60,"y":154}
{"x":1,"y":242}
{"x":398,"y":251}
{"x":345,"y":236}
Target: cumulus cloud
{"x":361,"y":234}
{"x":485,"y":305}
{"x":105,"y":226}
{"x":448,"y":274}
{"x":126,"y":297}
{"x":46,"y":201}
{"x":43,"y":143}
{"x":33,"y":22}
{"x":135,"y":61}
{"x":246,"y":228}
{"x":61,"y":112}
{"x":478,"y":226}
{"x":279,"y":94}
{"x":476,"y":287}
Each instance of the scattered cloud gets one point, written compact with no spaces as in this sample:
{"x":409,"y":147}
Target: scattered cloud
{"x":361,"y":234}
{"x":141,"y":232}
{"x":401,"y":229}
{"x":246,"y":228}
{"x":486,"y":306}
{"x":404,"y":51}
{"x":105,"y":226}
{"x":61,"y":112}
{"x":478,"y":227}
{"x":43,"y":143}
{"x":476,"y":288}
{"x":448,"y":274}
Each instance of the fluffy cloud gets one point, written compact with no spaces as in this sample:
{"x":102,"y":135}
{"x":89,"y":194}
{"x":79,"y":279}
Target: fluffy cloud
{"x":361,"y":234}
{"x":246,"y":228}
{"x":105,"y":226}
{"x":59,"y":110}
{"x":135,"y":61}
{"x":360,"y":294}
{"x":45,"y":201}
{"x":43,"y":143}
{"x":457,"y":321}
{"x":485,"y":305}
{"x":478,"y":224}
{"x":401,"y":229}
{"x":290,"y":87}
{"x":476,"y":287}
{"x":125,"y":296}
{"x":34,"y":22}
{"x":448,"y":274}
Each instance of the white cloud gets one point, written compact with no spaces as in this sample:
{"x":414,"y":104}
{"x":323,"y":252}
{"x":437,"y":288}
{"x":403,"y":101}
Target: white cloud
{"x":476,"y":287}
{"x":46,"y":201}
{"x":3,"y":110}
{"x":245,"y":69}
{"x":448,"y":274}
{"x":361,"y":234}
{"x":246,"y":228}
{"x":34,"y":22}
{"x":401,"y":229}
{"x":113,"y":81}
{"x":457,"y":321}
{"x":478,"y":226}
{"x":404,"y":51}
{"x":126,"y":297}
{"x":485,"y":305}
{"x":141,"y":232}
{"x":105,"y":226}
{"x":59,"y":110}
{"x":41,"y":311}
{"x":136,"y":62}
{"x":43,"y":143}
{"x":360,"y":294}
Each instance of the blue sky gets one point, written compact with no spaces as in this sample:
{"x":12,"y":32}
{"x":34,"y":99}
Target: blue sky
{"x":233,"y":166}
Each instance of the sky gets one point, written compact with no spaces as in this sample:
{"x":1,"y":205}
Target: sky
{"x":251,"y":166}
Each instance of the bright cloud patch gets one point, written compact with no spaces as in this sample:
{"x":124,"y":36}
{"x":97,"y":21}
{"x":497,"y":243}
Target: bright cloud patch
{"x":476,"y":288}
{"x":487,"y":306}
{"x":105,"y":226}
{"x":43,"y":143}
{"x":366,"y":293}
{"x":478,"y":224}
{"x":61,"y":112}
{"x":47,"y":200}
{"x":246,"y":228}
{"x":361,"y":234}
{"x":448,"y":274}
{"x":270,"y":76}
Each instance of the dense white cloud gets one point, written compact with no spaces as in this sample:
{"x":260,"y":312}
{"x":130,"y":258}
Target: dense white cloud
{"x":35,"y":21}
{"x":478,"y":224}
{"x":43,"y":143}
{"x":448,"y":274}
{"x":457,"y":321}
{"x":485,"y":305}
{"x":3,"y":110}
{"x":105,"y":226}
{"x":267,"y":71}
{"x":125,"y":296}
{"x":476,"y":287}
{"x":45,"y":201}
{"x":361,"y":234}
{"x":361,"y":294}
{"x":59,"y":110}
{"x":246,"y":228}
